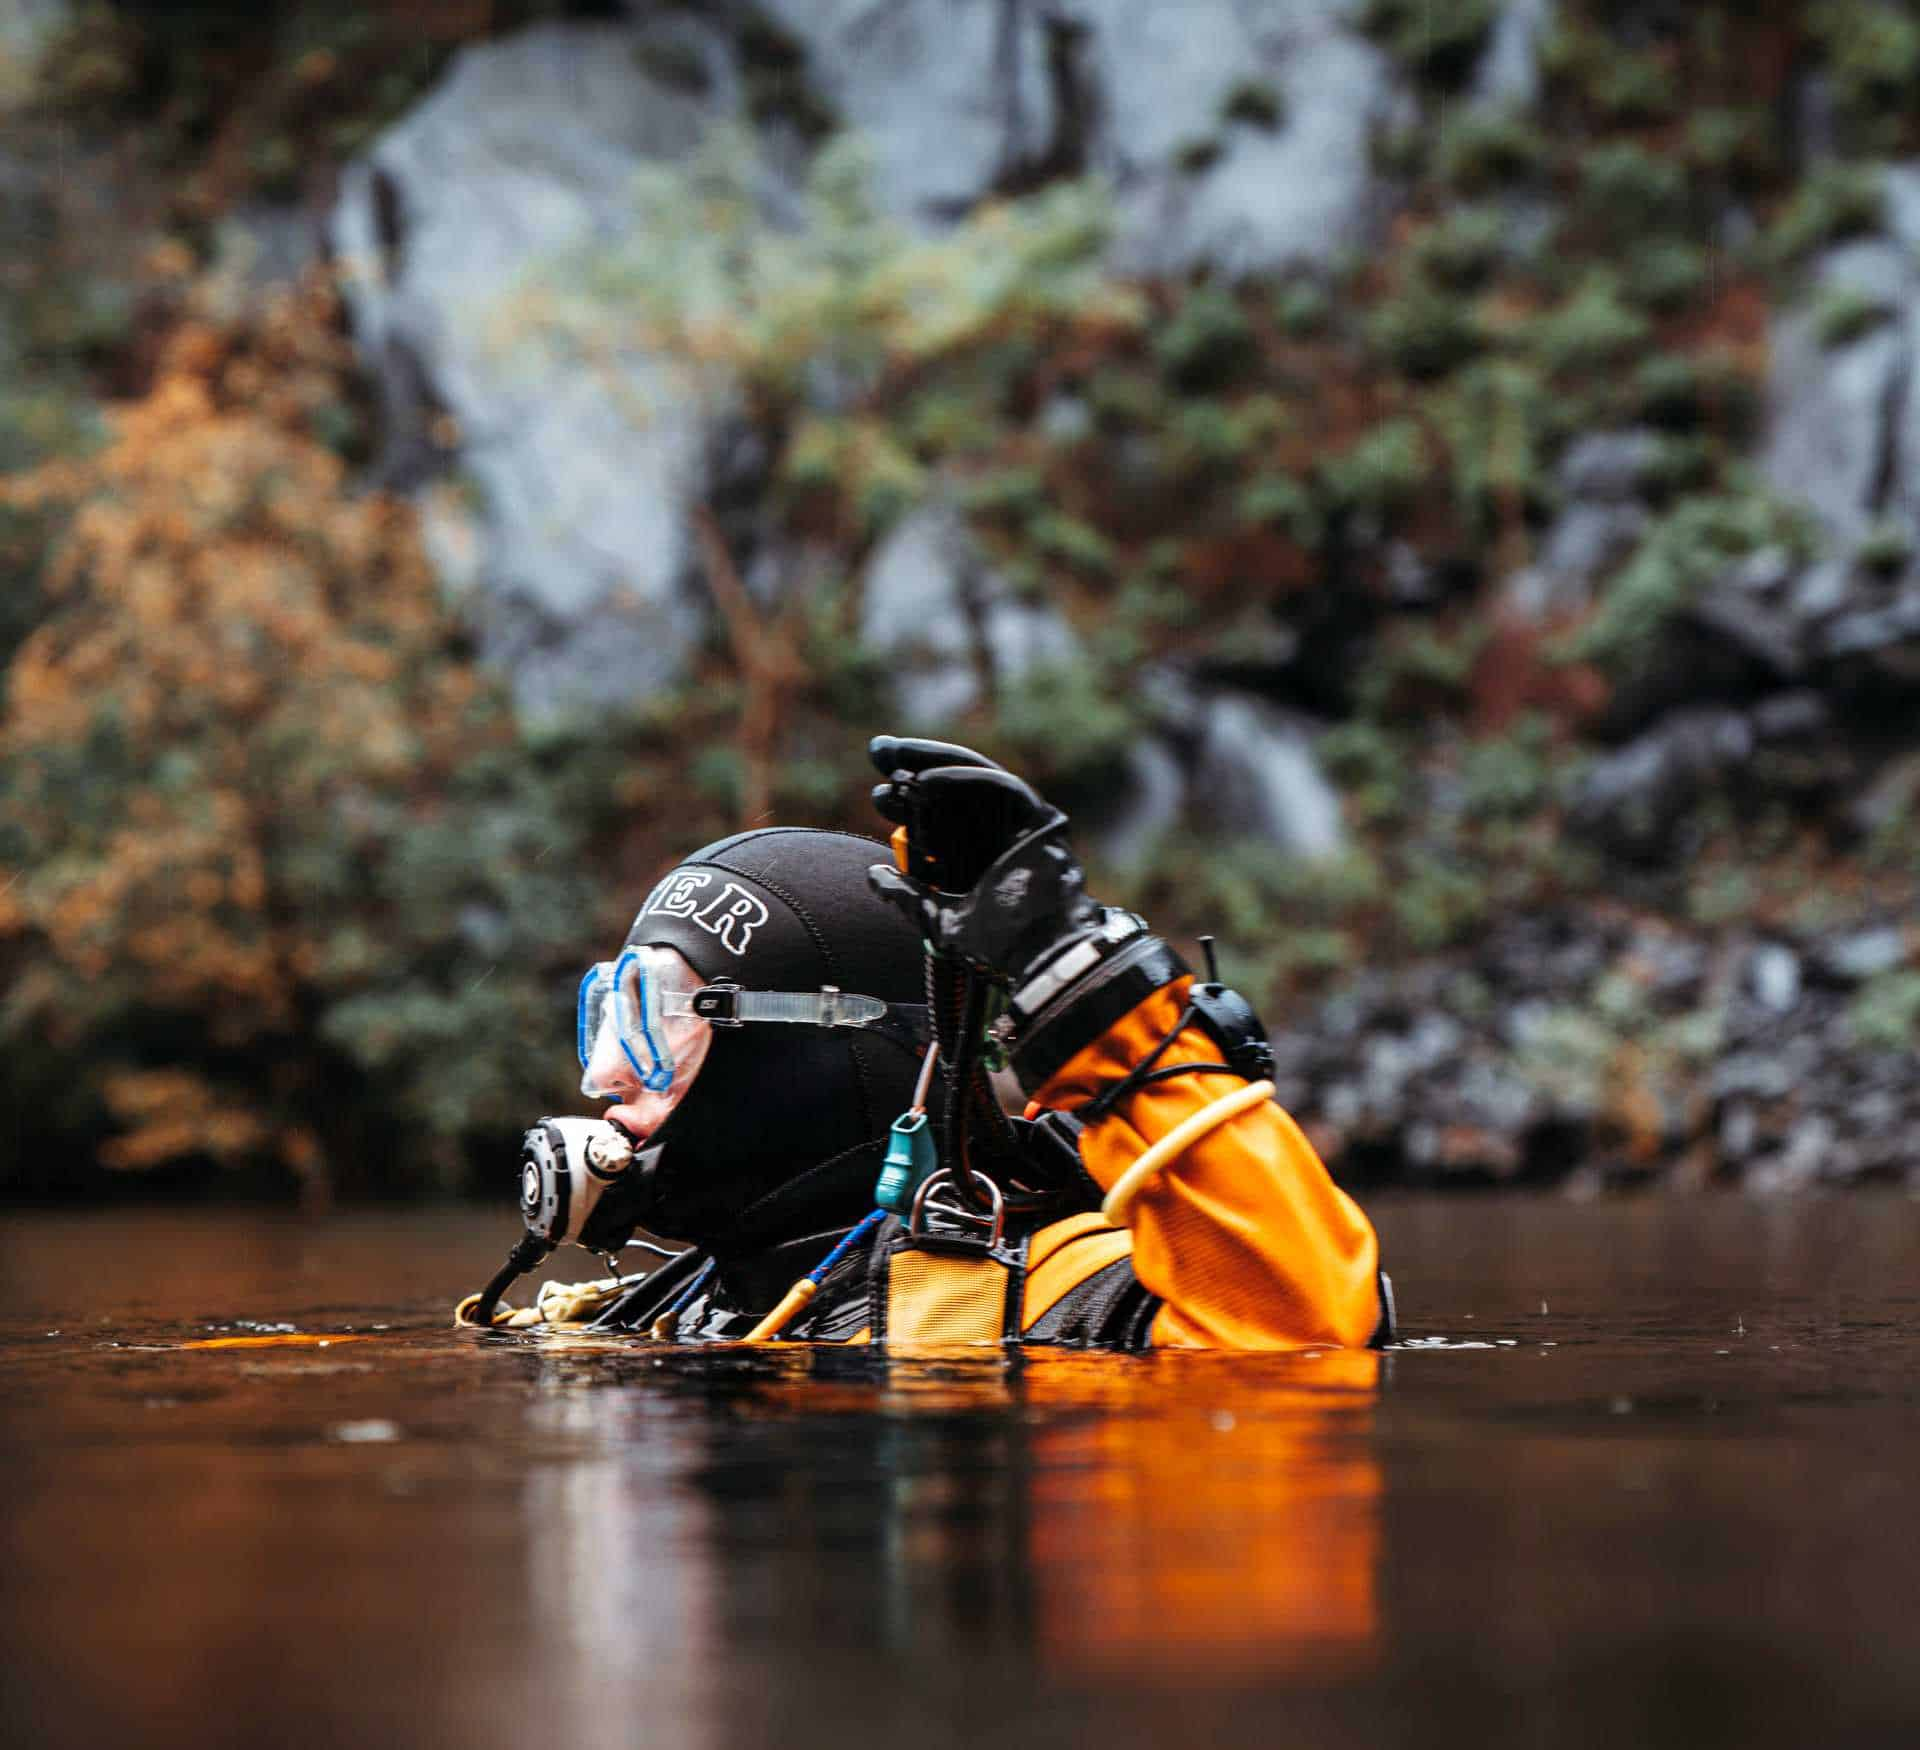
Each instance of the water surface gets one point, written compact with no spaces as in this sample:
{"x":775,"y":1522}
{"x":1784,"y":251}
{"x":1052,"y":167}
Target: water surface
{"x":1645,"y":1473}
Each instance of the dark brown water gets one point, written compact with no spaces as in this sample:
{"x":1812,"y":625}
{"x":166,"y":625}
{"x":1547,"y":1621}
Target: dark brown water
{"x":1648,"y":1475}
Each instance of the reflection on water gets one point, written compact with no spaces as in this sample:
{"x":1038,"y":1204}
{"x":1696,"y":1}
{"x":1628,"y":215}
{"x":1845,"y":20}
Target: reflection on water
{"x":1214,"y":1517}
{"x":1645,"y":1478}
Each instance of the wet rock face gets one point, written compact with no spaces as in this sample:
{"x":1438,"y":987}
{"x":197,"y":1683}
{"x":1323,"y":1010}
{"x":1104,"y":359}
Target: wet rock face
{"x":1844,"y":405}
{"x":1509,"y":69}
{"x":1239,"y":137}
{"x":1640,"y":802}
{"x":950,"y":632}
{"x":526,"y":147}
{"x":1799,"y":1097}
{"x":945,"y":624}
{"x":1578,"y":1047}
{"x":1476,"y":1068}
{"x":1257,"y":778}
{"x":1234,"y":136}
{"x":956,"y":97}
{"x":1603,"y":515}
{"x":1843,"y":431}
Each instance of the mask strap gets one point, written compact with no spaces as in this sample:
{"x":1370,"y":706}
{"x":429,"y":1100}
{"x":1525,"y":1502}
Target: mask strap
{"x":725,"y":1004}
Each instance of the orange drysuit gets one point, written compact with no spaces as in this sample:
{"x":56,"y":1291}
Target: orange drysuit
{"x":1244,"y":1237}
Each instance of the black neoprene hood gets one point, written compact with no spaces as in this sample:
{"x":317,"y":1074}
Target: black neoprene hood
{"x":785,"y":908}
{"x":780,"y":1135}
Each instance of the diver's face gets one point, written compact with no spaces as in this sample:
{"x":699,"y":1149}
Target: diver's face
{"x":638,"y":1046}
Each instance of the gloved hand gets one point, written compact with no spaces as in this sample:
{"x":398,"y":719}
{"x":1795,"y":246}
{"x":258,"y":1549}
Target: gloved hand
{"x":991,"y":881}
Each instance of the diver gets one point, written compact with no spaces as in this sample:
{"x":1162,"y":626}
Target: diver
{"x":805,"y":1051}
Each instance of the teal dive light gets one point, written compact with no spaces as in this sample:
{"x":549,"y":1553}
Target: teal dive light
{"x":912,"y":1158}
{"x":911,"y":1161}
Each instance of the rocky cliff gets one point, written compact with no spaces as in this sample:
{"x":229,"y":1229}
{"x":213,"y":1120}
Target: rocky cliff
{"x":1436,"y":490}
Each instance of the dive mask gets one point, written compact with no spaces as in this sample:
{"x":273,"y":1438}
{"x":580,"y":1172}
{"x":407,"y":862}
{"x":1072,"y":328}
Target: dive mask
{"x":645,"y":1021}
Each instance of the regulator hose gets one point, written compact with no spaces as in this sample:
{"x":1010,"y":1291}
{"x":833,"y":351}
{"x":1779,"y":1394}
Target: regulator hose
{"x":976,"y":1135}
{"x":528,"y":1254}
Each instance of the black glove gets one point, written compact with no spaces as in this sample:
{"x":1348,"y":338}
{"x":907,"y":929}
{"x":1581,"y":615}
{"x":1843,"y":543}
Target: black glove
{"x":993,"y":883}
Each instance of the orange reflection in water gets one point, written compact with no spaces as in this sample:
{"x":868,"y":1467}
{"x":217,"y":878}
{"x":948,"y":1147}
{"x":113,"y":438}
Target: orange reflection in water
{"x":1162,"y":1516}
{"x":1220,"y":1516}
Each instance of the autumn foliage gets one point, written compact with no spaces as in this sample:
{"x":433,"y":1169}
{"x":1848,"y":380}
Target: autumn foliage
{"x":265,"y":831}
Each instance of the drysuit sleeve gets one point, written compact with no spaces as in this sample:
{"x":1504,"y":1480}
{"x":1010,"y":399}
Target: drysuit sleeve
{"x":1244,"y":1235}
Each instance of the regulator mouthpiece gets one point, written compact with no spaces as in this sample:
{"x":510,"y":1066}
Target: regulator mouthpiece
{"x":566,"y":1164}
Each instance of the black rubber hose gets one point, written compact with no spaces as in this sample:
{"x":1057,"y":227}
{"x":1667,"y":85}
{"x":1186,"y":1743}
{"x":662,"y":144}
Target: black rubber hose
{"x":529,"y":1254}
{"x":960,"y":1013}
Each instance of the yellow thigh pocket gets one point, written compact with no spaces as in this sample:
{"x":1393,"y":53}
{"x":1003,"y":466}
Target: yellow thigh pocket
{"x":936,"y":1297}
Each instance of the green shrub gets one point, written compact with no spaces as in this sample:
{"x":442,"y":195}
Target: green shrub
{"x":1424,"y":332}
{"x":1208,"y":435}
{"x":1281,"y":501}
{"x":1844,"y":314}
{"x":1255,"y":103}
{"x":1632,"y":89}
{"x":1126,"y":395}
{"x":1420,"y":668}
{"x":1690,"y":547}
{"x":1149,"y":604}
{"x":1566,"y":1055}
{"x":1720,"y":893}
{"x":1460,"y":253}
{"x":1371,"y":766}
{"x":1627,"y":191}
{"x":1885,"y":1015}
{"x":1873,"y":53}
{"x":1729,"y":142}
{"x":1496,"y":418}
{"x":1208,"y":341}
{"x":1664,"y":273}
{"x":1834,"y":202}
{"x":1667,"y":390}
{"x":1436,"y":42}
{"x":1072,"y":543}
{"x":950,"y":422}
{"x":289,"y":872}
{"x":1065,"y":724}
{"x":1011,"y":494}
{"x":1486,"y":147}
{"x":1382,"y":472}
{"x":1510,"y":776}
{"x":1302,"y":307}
{"x":1399,"y":150}
{"x":1886,"y":548}
{"x":1438,"y":902}
{"x":1591,"y":330}
{"x":1682,"y":463}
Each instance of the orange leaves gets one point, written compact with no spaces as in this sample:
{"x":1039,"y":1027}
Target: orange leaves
{"x":236,"y":641}
{"x":169,"y":1113}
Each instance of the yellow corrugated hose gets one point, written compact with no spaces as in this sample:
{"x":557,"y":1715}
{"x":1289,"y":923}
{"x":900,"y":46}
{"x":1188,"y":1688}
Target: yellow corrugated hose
{"x":1176,"y":1142}
{"x":558,"y":1304}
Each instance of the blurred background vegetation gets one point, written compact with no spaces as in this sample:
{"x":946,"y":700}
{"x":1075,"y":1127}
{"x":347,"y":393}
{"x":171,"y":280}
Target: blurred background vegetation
{"x":1495,"y":613}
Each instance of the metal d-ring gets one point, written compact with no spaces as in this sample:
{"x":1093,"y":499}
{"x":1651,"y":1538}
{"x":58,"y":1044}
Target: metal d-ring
{"x":994,"y":1221}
